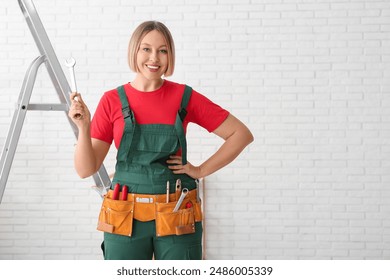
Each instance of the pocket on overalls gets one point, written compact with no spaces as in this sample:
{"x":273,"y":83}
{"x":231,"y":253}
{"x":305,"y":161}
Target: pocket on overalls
{"x":116,"y":216}
{"x":174,"y":223}
{"x":150,"y":141}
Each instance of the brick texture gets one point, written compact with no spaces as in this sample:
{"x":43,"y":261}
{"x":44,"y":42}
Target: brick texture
{"x":311,"y":79}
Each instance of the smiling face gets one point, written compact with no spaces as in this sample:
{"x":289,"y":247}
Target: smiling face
{"x":145,"y":33}
{"x":152,"y":56}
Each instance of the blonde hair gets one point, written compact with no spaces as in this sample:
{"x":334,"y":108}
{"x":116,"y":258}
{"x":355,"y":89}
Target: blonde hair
{"x":135,"y":41}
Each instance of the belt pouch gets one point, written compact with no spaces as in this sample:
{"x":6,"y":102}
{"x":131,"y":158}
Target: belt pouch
{"x":116,"y":216}
{"x":197,"y":211}
{"x":174,"y":223}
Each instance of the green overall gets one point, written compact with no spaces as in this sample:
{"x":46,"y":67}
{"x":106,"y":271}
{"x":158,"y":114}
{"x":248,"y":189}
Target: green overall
{"x":141,"y":165}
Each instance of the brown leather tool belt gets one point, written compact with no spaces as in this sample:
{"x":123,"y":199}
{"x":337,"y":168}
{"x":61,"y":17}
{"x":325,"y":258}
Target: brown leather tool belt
{"x":116,"y":216}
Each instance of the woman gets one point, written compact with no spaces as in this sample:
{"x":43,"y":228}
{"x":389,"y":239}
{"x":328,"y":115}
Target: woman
{"x":147,"y":119}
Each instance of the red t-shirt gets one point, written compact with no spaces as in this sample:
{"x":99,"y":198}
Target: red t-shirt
{"x":155,"y":107}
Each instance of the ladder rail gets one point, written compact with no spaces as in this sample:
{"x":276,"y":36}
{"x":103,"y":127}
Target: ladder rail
{"x":61,"y":85}
{"x":45,"y":48}
{"x":15,"y":128}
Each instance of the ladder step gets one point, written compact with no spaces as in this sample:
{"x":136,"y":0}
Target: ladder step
{"x":47,"y":107}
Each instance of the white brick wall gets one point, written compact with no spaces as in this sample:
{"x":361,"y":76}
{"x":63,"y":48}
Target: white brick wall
{"x":310,"y":78}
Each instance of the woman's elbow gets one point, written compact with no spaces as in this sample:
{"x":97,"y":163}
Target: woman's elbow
{"x":247,"y":135}
{"x":85,"y":173}
{"x":251,"y":138}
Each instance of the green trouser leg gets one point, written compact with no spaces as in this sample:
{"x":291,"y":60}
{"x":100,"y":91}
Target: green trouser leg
{"x":144,"y":243}
{"x":180,"y":247}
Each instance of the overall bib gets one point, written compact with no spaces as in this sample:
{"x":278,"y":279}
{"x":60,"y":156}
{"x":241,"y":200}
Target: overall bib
{"x":141,"y":166}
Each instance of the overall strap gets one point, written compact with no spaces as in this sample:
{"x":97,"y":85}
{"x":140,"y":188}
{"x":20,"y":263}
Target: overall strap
{"x":181,"y":114}
{"x":128,"y":131}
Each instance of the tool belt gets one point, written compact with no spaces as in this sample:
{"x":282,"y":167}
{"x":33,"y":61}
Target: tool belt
{"x":116,"y":216}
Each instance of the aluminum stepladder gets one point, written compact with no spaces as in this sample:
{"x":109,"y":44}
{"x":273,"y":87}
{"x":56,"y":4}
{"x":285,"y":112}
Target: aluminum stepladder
{"x":61,"y":85}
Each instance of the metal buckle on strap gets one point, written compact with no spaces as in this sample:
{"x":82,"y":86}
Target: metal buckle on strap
{"x":182,"y":113}
{"x":126,"y":112}
{"x":144,"y":199}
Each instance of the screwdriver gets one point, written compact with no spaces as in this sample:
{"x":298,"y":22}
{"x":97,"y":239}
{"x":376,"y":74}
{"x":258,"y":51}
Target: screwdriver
{"x":167,"y":199}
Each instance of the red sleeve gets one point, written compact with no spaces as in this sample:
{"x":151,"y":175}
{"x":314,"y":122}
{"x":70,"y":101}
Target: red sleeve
{"x":101,"y":125}
{"x":204,"y":112}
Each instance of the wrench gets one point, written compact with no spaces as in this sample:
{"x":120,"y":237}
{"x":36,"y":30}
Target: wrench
{"x":177,"y":188}
{"x":181,"y":198}
{"x":70,"y":63}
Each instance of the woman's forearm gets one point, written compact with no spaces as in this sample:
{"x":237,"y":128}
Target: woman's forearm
{"x":236,"y":135}
{"x":84,"y":157}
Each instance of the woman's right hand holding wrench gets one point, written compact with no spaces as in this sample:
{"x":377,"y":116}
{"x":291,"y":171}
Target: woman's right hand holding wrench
{"x":78,"y":111}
